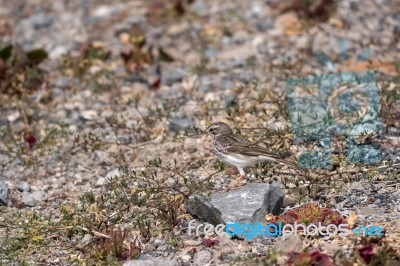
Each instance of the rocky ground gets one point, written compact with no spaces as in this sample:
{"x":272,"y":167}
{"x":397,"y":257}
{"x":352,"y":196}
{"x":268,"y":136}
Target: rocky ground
{"x":102,"y":106}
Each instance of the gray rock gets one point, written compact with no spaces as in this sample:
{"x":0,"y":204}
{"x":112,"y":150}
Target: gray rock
{"x":4,"y":191}
{"x":101,"y":181}
{"x":230,"y":101}
{"x":28,"y":200}
{"x":23,"y":186}
{"x":31,"y":199}
{"x":180,"y":124}
{"x":292,"y":243}
{"x":41,"y":20}
{"x":209,"y":82}
{"x":48,"y":31}
{"x":240,"y":37}
{"x":201,"y":207}
{"x":201,"y":8}
{"x":149,"y":261}
{"x":357,"y":186}
{"x":202,"y":257}
{"x":158,"y":242}
{"x":264,"y":24}
{"x":173,"y":76}
{"x":211,"y":52}
{"x":272,"y":202}
{"x":250,"y":203}
{"x":115,"y":173}
{"x":247,"y":77}
{"x":86,"y":240}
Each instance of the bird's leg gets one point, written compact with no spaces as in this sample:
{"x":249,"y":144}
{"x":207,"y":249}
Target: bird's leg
{"x":241,"y":171}
{"x":234,"y":184}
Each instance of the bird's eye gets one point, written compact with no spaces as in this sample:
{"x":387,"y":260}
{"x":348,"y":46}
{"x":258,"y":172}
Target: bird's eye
{"x":211,"y":129}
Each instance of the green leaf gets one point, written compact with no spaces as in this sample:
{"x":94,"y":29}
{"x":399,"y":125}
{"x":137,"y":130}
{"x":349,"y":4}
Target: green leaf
{"x":37,"y":55}
{"x":5,"y":53}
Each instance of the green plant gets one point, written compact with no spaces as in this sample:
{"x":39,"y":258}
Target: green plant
{"x":314,"y":258}
{"x":114,"y":246}
{"x":19,"y":70}
{"x":310,"y":213}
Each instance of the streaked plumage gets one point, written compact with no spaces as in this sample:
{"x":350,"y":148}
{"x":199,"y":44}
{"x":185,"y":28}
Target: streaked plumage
{"x":237,"y":151}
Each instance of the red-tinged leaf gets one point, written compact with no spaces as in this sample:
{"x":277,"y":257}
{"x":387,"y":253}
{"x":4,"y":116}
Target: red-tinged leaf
{"x":126,"y":55}
{"x":3,"y":67}
{"x":366,"y":253}
{"x":292,"y":214}
{"x":193,"y":251}
{"x":210,"y":242}
{"x":297,"y":259}
{"x":156,"y":84}
{"x":31,"y":139}
{"x":320,"y":259}
{"x":180,"y":7}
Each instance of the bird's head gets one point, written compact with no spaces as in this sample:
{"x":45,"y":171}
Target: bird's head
{"x":218,"y":128}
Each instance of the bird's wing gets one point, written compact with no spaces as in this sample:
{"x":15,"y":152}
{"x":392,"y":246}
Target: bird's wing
{"x":239,"y":145}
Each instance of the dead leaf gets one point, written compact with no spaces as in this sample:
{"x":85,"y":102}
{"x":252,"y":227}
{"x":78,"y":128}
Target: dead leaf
{"x":336,"y":22}
{"x":352,"y":219}
{"x":290,"y":24}
{"x":269,"y":217}
{"x":374,"y":63}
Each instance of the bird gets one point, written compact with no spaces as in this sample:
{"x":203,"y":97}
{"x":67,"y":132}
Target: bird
{"x":237,"y":151}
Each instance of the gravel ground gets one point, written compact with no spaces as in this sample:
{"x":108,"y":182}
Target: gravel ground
{"x":128,"y":82}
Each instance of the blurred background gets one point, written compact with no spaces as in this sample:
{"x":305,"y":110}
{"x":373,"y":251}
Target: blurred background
{"x":87,"y":86}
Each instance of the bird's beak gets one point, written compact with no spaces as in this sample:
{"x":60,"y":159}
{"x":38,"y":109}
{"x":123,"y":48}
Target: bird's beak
{"x":199,"y":133}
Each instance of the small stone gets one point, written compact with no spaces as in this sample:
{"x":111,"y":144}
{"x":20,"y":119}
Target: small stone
{"x":31,"y":199}
{"x":174,"y":76}
{"x":113,"y":174}
{"x":148,"y":261}
{"x":201,"y":8}
{"x":186,"y":258}
{"x":41,"y":20}
{"x":371,"y":211}
{"x":180,"y":124}
{"x":192,"y":242}
{"x":190,"y":145}
{"x":23,"y":186}
{"x":292,"y":243}
{"x":240,"y":37}
{"x":330,"y":248}
{"x":101,"y":181}
{"x":356,"y":186}
{"x":339,"y":199}
{"x":86,"y":240}
{"x":89,"y":114}
{"x":247,"y":77}
{"x":288,"y":201}
{"x":230,"y":101}
{"x":4,"y":192}
{"x":202,"y":257}
{"x":158,"y":242}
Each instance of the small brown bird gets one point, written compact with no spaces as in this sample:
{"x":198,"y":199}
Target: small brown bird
{"x":237,"y":151}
